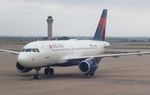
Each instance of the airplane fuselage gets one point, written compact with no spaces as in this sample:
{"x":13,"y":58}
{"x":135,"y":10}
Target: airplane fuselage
{"x":44,"y":53}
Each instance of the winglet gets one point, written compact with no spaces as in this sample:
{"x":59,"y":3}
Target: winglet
{"x":100,"y":31}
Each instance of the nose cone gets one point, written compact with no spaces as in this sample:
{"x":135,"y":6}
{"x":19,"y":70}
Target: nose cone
{"x":24,"y":60}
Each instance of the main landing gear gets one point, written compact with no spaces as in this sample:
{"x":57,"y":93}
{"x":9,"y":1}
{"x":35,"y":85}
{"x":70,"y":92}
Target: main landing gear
{"x":89,"y":74}
{"x":49,"y":72}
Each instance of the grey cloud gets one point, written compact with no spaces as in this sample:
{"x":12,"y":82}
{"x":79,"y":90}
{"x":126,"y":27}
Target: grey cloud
{"x":83,"y":1}
{"x":115,"y":3}
{"x":121,"y":11}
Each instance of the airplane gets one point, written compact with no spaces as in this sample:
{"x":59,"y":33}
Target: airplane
{"x":86,"y":54}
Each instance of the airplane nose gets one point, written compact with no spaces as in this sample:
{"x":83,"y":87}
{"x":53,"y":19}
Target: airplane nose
{"x":24,"y":60}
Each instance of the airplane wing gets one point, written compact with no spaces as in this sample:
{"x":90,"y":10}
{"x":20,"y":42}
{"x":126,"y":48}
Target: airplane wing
{"x":9,"y":51}
{"x":109,"y":55}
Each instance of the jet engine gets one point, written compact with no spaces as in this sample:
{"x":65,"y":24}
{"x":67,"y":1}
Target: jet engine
{"x":23,"y":69}
{"x":88,"y":66}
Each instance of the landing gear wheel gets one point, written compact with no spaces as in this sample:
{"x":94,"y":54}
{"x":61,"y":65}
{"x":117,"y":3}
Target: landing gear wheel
{"x":46,"y":71}
{"x":86,"y":74}
{"x":89,"y":74}
{"x":49,"y":71}
{"x":36,"y":77}
{"x":92,"y":74}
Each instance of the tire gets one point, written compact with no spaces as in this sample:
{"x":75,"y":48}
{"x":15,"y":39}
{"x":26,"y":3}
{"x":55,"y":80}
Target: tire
{"x":46,"y":71}
{"x":92,"y":74}
{"x":49,"y":72}
{"x":36,"y":77}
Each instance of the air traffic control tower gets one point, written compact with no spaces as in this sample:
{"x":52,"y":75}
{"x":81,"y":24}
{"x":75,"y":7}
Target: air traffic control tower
{"x":49,"y":22}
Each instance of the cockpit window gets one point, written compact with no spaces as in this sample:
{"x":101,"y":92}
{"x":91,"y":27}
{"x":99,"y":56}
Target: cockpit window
{"x":30,"y":50}
{"x":33,"y":50}
{"x":37,"y":50}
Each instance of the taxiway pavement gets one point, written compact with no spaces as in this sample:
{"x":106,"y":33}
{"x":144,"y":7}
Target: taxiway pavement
{"x":128,"y":75}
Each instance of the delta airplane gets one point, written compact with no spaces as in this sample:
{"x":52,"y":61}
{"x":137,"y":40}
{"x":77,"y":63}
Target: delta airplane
{"x":86,"y":54}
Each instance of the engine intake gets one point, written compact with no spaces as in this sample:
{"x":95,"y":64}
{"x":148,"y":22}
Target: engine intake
{"x":88,"y":66}
{"x":23,"y":69}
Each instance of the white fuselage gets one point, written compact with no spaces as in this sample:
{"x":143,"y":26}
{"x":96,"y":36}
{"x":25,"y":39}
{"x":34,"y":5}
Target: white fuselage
{"x":43,"y":53}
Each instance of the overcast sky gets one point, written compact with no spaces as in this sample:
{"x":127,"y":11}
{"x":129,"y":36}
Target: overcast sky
{"x":74,"y":17}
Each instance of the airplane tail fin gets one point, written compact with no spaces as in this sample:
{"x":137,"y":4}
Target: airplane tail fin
{"x":100,"y":31}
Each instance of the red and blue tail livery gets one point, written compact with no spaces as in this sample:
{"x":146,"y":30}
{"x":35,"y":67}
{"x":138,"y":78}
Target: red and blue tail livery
{"x":100,"y":31}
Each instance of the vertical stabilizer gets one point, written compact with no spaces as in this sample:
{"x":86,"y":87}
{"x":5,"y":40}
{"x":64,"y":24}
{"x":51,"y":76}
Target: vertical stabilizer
{"x":101,"y":28}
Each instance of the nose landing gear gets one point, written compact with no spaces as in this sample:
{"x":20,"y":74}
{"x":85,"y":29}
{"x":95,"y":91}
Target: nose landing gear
{"x":36,"y":75}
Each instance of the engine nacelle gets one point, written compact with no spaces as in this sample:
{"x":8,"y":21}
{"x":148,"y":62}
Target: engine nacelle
{"x":88,"y":66}
{"x":23,"y":69}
